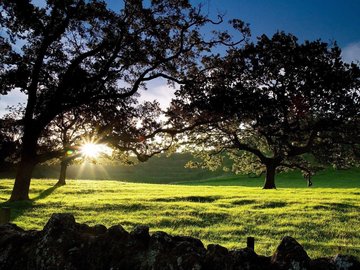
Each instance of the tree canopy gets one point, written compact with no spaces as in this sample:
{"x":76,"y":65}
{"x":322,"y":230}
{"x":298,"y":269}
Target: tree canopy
{"x":270,"y":105}
{"x":72,"y":53}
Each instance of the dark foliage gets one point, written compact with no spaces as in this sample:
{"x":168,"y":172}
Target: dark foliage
{"x":77,"y":53}
{"x":277,"y":104}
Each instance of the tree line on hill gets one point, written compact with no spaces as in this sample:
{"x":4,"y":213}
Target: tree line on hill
{"x":270,"y":105}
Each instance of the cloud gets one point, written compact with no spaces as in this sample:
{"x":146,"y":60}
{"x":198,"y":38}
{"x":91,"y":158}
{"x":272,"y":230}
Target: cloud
{"x":351,"y":53}
{"x":159,"y":91}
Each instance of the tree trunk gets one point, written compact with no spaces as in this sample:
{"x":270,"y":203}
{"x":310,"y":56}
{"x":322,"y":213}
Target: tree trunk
{"x":26,"y":166}
{"x":21,"y":188}
{"x":270,"y":176}
{"x":63,"y":167}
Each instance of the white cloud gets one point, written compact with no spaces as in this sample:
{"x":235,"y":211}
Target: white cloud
{"x":351,"y":53}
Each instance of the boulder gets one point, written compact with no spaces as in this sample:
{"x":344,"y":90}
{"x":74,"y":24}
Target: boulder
{"x":322,"y":264}
{"x":345,"y":262}
{"x":290,"y":255}
{"x":247,"y":259}
{"x":217,"y":257}
{"x":141,"y":232}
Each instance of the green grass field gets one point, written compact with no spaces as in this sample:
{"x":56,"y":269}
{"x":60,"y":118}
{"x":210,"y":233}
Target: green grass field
{"x":324,"y":219}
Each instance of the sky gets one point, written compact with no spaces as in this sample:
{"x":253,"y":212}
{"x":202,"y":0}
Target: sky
{"x":328,"y":20}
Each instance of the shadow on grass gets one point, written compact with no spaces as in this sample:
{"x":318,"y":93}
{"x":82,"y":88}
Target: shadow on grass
{"x":20,"y":207}
{"x":196,"y":199}
{"x":338,"y":207}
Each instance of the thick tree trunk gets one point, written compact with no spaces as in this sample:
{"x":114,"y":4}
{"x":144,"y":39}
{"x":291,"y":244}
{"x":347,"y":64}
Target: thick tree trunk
{"x":62,"y":178}
{"x":32,"y":131}
{"x":21,"y":188}
{"x":270,"y":176}
{"x":26,"y":166}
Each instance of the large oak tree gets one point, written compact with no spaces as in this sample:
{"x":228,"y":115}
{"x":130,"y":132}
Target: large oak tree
{"x":72,"y":53}
{"x":270,"y":105}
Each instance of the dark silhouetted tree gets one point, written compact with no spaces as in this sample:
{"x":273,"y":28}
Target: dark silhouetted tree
{"x":270,"y":106}
{"x":62,"y":138}
{"x":75,"y":52}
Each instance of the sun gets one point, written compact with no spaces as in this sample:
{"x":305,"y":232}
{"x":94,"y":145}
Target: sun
{"x":91,"y":150}
{"x":94,"y":150}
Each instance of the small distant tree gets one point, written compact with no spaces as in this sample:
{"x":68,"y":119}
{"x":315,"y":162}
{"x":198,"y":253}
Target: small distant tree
{"x":270,"y":105}
{"x":62,"y":138}
{"x":57,"y":141}
{"x":131,"y":133}
{"x":72,"y":53}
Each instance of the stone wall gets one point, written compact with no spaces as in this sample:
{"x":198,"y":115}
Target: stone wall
{"x":67,"y":245}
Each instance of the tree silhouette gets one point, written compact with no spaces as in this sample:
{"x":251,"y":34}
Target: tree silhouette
{"x":61,"y":139}
{"x":269,"y":105}
{"x":73,"y":53}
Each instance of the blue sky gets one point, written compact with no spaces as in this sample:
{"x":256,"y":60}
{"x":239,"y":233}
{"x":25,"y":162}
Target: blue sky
{"x":308,"y":19}
{"x":329,"y":20}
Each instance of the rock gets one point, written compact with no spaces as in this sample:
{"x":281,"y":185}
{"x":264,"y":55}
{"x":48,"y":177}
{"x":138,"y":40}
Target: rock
{"x":247,"y":259}
{"x":99,"y":229}
{"x":84,"y":228}
{"x":217,"y":257}
{"x":191,"y":240}
{"x":290,"y":255}
{"x":65,"y":244}
{"x":175,"y":252}
{"x":189,"y":251}
{"x":161,"y":238}
{"x":60,"y":234}
{"x":60,"y":223}
{"x":217,"y":250}
{"x":117,"y":232}
{"x":345,"y":262}
{"x":15,"y":246}
{"x":9,"y":233}
{"x":141,"y":232}
{"x":265,"y":262}
{"x":321,"y":264}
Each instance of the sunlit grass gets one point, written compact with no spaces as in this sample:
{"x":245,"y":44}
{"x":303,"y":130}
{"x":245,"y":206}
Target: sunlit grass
{"x":324,"y":220}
